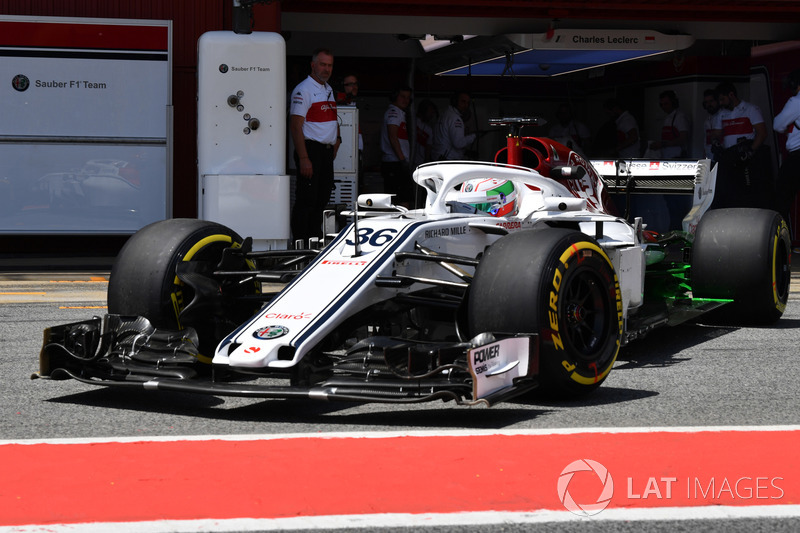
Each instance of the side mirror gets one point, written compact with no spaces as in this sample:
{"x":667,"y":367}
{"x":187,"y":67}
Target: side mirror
{"x":376,"y":201}
{"x":564,"y":204}
{"x":567,"y":173}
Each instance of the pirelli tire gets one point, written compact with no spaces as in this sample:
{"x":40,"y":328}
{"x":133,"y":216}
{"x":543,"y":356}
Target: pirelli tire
{"x":143,"y":278}
{"x":560,"y":284}
{"x":743,"y":254}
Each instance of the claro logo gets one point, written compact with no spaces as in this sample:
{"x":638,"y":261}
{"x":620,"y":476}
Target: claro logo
{"x":585,"y":508}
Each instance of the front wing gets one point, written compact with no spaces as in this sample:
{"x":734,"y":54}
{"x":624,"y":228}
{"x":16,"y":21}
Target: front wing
{"x":120,"y":351}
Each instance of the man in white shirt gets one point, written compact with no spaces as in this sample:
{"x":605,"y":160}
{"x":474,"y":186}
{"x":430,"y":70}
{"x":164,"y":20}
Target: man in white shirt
{"x":571,"y":133}
{"x":627,"y":146}
{"x":314,"y":127}
{"x":745,"y":175}
{"x":450,"y":140}
{"x":674,"y":142}
{"x":427,"y":115}
{"x":737,"y":120}
{"x":711,"y":105}
{"x":788,"y":122}
{"x":396,"y":150}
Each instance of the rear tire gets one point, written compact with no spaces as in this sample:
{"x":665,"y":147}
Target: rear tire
{"x":743,"y":254}
{"x":560,"y":284}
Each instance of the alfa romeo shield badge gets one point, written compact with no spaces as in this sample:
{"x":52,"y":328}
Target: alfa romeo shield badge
{"x":270,"y":332}
{"x":20,"y":82}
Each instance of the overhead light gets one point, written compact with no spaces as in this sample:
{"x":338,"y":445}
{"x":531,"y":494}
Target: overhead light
{"x":434,"y":42}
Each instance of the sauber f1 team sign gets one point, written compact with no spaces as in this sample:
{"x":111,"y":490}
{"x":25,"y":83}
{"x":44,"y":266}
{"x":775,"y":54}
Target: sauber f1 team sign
{"x":85,"y":115}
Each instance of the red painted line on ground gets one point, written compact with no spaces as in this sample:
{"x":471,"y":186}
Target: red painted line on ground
{"x":180,"y":480}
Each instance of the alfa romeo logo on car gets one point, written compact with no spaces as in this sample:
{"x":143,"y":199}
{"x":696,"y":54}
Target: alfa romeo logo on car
{"x":271,"y":332}
{"x":21,"y":82}
{"x":591,"y":508}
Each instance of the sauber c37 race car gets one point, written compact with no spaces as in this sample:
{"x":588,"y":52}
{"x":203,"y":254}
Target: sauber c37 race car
{"x":516,"y":274}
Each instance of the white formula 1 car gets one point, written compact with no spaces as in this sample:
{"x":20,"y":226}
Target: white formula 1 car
{"x":514,"y":275}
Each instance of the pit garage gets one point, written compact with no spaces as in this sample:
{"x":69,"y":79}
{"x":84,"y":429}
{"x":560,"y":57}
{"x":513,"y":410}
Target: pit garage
{"x":515,"y":57}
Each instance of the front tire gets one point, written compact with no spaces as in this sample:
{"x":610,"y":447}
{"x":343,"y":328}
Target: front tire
{"x":743,"y":254}
{"x":560,"y":284}
{"x":144,"y":281}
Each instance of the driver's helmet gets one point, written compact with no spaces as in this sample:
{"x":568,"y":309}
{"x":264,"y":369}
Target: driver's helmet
{"x":489,"y":195}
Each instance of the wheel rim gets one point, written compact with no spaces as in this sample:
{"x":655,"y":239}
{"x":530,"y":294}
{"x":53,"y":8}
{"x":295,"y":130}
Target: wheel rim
{"x":781,"y":275}
{"x":587,"y":309}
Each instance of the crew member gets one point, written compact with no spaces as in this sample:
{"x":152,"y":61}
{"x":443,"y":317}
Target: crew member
{"x":738,"y":121}
{"x":349,"y":97}
{"x":788,"y":122}
{"x":570,"y":132}
{"x":427,"y":115}
{"x":450,"y":140}
{"x":674,"y":141}
{"x":627,"y":146}
{"x":711,"y":105}
{"x":396,"y":150}
{"x":314,"y":127}
{"x":745,"y":175}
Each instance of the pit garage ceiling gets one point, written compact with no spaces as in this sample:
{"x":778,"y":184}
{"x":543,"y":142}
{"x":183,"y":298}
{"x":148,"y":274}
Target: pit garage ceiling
{"x":379,"y":28}
{"x":644,"y":10}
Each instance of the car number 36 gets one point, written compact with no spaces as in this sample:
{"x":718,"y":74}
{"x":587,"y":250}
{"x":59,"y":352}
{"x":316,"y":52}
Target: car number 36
{"x":372,"y":237}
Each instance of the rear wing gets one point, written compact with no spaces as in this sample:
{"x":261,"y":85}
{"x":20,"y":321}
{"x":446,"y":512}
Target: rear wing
{"x":662,"y":177}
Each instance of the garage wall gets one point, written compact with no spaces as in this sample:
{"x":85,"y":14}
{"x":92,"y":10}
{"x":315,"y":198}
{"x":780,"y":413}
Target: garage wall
{"x":190,"y":19}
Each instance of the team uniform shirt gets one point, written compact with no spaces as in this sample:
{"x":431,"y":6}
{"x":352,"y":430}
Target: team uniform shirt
{"x":449,"y":140}
{"x":788,"y":121}
{"x":674,"y":123}
{"x":625,"y":123}
{"x":574,"y":132}
{"x":394,"y":116}
{"x":708,"y":127}
{"x":737,"y":123}
{"x":424,"y":142}
{"x":314,"y":102}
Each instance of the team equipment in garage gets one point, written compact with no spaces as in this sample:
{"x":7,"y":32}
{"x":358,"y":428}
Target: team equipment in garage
{"x":446,"y":302}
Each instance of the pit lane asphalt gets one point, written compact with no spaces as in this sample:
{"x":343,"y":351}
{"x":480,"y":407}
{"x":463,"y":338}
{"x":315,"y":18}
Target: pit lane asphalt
{"x":690,"y":375}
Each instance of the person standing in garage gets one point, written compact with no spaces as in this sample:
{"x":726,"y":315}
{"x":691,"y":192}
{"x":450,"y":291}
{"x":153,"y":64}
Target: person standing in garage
{"x":427,"y":115}
{"x":314,"y":127}
{"x":788,"y":122}
{"x":450,"y":139}
{"x":738,"y":122}
{"x":711,"y":105}
{"x":396,"y":149}
{"x":627,"y":146}
{"x":572,"y":133}
{"x":349,"y":96}
{"x":349,"y":91}
{"x":745,"y":177}
{"x":674,"y":143}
